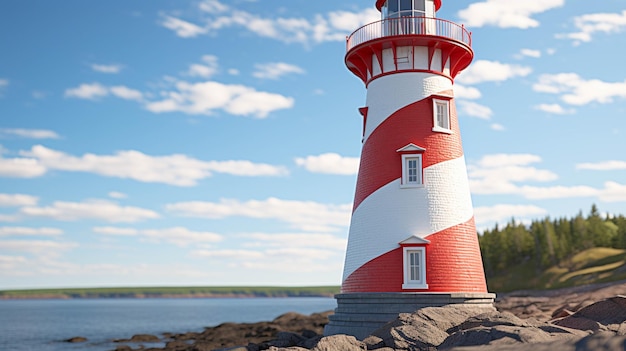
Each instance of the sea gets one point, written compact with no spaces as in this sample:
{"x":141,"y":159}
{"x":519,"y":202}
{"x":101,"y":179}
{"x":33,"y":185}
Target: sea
{"x":43,"y":325}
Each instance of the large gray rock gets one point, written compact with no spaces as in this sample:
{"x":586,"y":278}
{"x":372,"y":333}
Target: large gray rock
{"x":594,"y":342}
{"x":605,"y":315}
{"x":503,"y":328}
{"x":339,"y":343}
{"x":424,"y":329}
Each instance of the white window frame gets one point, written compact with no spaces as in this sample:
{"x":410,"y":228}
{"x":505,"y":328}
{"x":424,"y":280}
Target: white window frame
{"x":412,"y":283}
{"x":419,"y":182}
{"x":439,"y":127}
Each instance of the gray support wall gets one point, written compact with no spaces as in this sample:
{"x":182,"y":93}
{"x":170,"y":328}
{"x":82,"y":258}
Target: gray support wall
{"x":359,"y":314}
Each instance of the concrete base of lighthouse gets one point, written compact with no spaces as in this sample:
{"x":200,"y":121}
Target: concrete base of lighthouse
{"x":359,"y":314}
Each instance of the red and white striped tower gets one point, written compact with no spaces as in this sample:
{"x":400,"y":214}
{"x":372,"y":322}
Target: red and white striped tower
{"x":412,"y":241}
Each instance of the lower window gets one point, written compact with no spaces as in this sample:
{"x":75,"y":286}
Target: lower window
{"x":414,"y":268}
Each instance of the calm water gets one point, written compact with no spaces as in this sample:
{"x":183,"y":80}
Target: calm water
{"x":41,"y":325}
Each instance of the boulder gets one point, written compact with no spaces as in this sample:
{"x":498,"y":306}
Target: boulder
{"x":76,"y":339}
{"x":424,"y":329}
{"x":339,"y":343}
{"x":595,"y":342}
{"x":140,"y":338}
{"x":605,"y":315}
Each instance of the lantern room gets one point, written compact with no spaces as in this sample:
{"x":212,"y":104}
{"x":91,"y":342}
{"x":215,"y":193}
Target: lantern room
{"x":408,"y":8}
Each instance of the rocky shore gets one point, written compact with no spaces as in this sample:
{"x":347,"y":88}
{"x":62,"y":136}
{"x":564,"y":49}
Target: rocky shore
{"x":583,"y":318}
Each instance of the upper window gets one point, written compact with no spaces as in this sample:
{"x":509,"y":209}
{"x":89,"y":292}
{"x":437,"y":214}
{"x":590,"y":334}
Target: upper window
{"x":441,"y":116}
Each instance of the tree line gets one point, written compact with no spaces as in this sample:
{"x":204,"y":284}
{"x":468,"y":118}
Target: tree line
{"x":547,"y":242}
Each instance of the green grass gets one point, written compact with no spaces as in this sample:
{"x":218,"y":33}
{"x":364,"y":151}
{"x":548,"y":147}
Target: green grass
{"x":597,"y":265}
{"x":144,"y":292}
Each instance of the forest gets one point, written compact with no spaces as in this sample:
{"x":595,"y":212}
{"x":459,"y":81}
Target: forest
{"x":547,"y":242}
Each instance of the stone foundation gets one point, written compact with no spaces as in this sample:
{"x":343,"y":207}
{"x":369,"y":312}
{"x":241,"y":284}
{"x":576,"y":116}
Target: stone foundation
{"x":359,"y":314}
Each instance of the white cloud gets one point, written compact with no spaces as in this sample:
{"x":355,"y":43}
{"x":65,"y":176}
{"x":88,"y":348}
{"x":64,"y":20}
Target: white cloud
{"x":497,"y":127}
{"x":179,"y":170}
{"x":27,"y":231}
{"x":499,"y":174}
{"x":603,"y":165}
{"x":3,"y":84}
{"x":30,"y":133}
{"x":213,"y":6}
{"x":613,"y":192}
{"x":275,"y":70}
{"x":463,"y":92}
{"x":207,"y":69}
{"x":126,"y":93}
{"x":182,"y":28}
{"x":557,"y":192}
{"x":590,"y":24}
{"x":9,"y":263}
{"x":576,"y":91}
{"x":117,"y":195}
{"x":95,"y":91}
{"x":37,"y":94}
{"x":21,"y":168}
{"x":303,"y":215}
{"x":110,"y":69}
{"x":93,"y":209}
{"x":116,"y":231}
{"x":47,"y":248}
{"x":201,"y":98}
{"x":334,"y":26}
{"x":554,"y":109}
{"x":298,"y":240}
{"x":17,"y":200}
{"x":329,"y":163}
{"x":504,"y":213}
{"x":228,"y":254}
{"x":491,"y":71}
{"x":530,"y":53}
{"x":206,"y":97}
{"x":179,"y":236}
{"x":506,"y":13}
{"x":91,"y":91}
{"x":473,"y":109}
{"x":269,"y":260}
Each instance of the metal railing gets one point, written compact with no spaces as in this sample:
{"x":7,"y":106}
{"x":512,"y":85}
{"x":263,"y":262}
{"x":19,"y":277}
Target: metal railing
{"x":409,"y":26}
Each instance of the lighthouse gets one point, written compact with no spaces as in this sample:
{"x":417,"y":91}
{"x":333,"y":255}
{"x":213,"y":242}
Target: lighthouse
{"x":412,"y":240}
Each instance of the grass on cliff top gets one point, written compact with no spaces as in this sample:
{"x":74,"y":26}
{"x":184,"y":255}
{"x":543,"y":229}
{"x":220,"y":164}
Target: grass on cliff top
{"x":265,"y":291}
{"x":596,"y":265}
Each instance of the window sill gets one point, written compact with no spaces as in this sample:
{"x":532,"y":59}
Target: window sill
{"x":442,"y":130}
{"x":409,"y":186}
{"x":414,"y":286}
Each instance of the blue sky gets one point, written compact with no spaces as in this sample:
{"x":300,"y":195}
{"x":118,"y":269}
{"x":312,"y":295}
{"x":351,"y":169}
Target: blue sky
{"x":162,"y":142}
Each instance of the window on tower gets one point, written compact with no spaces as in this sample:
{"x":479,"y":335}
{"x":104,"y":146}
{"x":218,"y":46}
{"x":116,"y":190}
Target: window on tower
{"x":441,"y":116}
{"x":412,"y":171}
{"x":414,"y":261}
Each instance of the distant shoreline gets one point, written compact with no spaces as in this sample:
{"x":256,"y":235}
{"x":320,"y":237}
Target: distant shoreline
{"x":169,"y":292}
